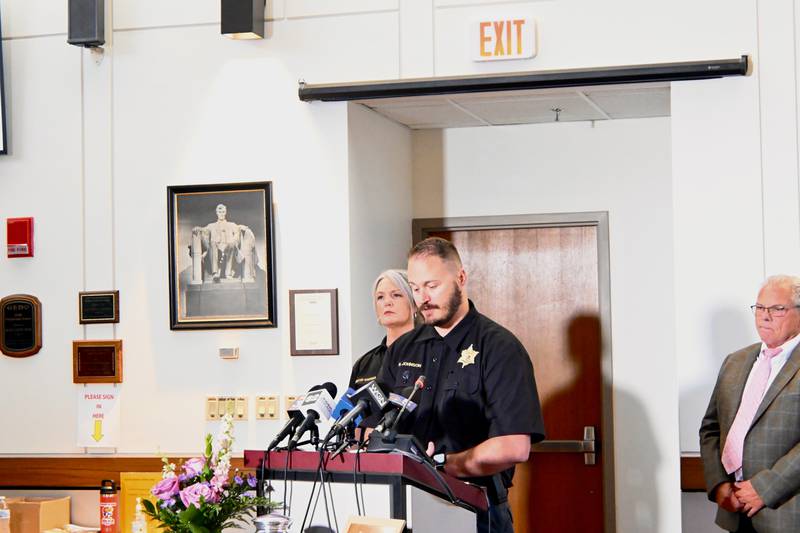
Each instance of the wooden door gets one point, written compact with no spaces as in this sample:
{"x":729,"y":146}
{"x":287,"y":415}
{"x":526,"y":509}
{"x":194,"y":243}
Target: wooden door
{"x":542,"y":284}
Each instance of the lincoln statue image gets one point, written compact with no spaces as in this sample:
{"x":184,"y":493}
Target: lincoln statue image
{"x":223,"y":251}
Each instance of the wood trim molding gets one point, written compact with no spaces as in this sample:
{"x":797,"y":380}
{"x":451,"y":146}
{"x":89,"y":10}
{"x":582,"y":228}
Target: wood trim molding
{"x":88,"y":472}
{"x":692,"y":479}
{"x":75,"y":472}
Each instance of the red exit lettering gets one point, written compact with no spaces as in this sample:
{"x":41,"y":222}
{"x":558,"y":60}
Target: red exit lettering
{"x":501,"y":37}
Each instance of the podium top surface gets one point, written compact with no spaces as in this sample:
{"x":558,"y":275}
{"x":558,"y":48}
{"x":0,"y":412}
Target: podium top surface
{"x":385,"y":464}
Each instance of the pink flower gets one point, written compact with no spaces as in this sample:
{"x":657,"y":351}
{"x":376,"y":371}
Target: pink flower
{"x":218,"y":483}
{"x":191,"y":495}
{"x":166,"y":488}
{"x":193,"y":467}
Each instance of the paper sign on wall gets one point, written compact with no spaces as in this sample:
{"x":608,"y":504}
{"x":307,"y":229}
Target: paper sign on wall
{"x":98,"y":416}
{"x":509,"y":38}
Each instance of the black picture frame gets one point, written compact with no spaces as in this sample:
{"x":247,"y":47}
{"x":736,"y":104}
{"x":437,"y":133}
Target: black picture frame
{"x":221,"y":267}
{"x":3,"y":121}
{"x":98,"y":307}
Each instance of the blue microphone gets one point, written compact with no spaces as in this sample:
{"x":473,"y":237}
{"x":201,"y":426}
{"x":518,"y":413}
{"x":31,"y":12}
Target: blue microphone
{"x":344,"y":406}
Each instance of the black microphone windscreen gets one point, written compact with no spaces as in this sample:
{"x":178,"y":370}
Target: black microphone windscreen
{"x":330,"y":387}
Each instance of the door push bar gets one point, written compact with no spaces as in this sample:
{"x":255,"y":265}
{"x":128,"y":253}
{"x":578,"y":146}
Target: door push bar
{"x":586,"y":446}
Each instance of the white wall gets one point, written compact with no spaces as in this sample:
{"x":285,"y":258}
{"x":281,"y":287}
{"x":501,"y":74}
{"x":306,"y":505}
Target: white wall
{"x":380,"y":212}
{"x":95,"y":141}
{"x":622,"y":167}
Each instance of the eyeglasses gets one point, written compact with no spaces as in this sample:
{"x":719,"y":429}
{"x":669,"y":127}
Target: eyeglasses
{"x":775,"y":311}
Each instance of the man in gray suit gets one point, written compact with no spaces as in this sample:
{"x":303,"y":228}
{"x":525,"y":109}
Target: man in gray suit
{"x":750,"y":435}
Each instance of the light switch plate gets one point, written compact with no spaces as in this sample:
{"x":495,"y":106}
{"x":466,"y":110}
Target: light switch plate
{"x":211,"y":408}
{"x":289,"y":401}
{"x":240,"y":408}
{"x":266,"y":408}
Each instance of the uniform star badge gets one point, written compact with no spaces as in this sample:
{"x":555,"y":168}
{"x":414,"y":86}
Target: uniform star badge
{"x":468,"y":356}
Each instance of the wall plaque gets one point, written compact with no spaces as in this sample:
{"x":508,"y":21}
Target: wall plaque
{"x":98,"y":307}
{"x":20,"y":325}
{"x":97,"y":361}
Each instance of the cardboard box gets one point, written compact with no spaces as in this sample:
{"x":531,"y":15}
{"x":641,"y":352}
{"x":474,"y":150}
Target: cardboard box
{"x":34,"y":515}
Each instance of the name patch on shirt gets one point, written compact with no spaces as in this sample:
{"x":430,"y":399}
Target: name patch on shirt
{"x":409,"y":363}
{"x":365,"y":380}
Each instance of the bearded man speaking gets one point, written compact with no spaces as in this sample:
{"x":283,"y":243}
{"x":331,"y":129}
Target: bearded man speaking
{"x":480,"y":410}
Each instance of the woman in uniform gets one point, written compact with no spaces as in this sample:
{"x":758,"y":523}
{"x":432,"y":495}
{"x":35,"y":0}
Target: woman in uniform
{"x":396,"y":312}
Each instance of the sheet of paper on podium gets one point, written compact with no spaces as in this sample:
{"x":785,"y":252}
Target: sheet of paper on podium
{"x":374,"y":524}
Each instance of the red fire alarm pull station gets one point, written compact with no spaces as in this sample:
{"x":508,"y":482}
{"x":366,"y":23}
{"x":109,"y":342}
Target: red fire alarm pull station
{"x":19,"y":232}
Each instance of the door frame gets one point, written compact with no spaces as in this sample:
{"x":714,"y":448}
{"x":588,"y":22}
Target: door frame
{"x":422,"y":227}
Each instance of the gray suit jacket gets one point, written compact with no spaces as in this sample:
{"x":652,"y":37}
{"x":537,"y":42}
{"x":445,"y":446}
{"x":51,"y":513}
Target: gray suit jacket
{"x":771,"y":457}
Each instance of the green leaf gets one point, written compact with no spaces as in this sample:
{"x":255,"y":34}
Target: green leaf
{"x":209,"y":447}
{"x":189,"y":514}
{"x":198,"y":529}
{"x":148,"y":506}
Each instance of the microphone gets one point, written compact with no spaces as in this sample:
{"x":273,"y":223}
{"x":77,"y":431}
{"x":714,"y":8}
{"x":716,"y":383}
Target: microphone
{"x":344,"y":406}
{"x":295,"y":416}
{"x":403,"y":403}
{"x":317,"y":405}
{"x":389,"y":418}
{"x":420,"y":383}
{"x":368,"y":399}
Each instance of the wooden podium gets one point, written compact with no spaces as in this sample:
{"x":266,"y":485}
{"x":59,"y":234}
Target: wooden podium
{"x":396,"y":471}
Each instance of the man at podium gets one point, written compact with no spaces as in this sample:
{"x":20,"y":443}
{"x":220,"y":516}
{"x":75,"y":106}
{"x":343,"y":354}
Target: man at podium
{"x":479,"y":411}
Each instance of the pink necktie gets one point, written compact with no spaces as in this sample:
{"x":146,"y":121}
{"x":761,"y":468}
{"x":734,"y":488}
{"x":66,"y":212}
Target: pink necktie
{"x":751,"y":399}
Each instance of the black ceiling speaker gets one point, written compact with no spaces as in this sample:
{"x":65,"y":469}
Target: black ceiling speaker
{"x":243,"y":19}
{"x":87,"y":25}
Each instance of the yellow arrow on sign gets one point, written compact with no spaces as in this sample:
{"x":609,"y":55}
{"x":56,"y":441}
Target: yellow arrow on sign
{"x":98,"y":431}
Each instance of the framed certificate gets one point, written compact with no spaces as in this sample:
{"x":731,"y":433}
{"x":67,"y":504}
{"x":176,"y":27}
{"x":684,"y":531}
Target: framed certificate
{"x":313,"y":321}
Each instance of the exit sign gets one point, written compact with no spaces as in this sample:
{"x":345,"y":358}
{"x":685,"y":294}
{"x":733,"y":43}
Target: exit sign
{"x":508,"y":38}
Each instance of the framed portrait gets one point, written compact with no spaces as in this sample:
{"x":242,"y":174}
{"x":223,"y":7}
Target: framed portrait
{"x":221,"y":256}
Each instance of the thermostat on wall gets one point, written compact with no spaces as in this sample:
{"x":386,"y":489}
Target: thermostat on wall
{"x":19,"y":233}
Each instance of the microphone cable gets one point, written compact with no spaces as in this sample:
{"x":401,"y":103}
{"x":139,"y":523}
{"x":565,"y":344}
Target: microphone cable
{"x":313,"y":489}
{"x":265,"y":484}
{"x":355,"y":484}
{"x":324,"y":468}
{"x":358,"y":463}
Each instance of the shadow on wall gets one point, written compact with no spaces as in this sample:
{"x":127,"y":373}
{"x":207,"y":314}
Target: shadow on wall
{"x":566,"y":412}
{"x":729,"y":331}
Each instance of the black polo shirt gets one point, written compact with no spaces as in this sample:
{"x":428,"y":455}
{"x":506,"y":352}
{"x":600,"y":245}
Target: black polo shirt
{"x":479,"y":384}
{"x":367,"y":367}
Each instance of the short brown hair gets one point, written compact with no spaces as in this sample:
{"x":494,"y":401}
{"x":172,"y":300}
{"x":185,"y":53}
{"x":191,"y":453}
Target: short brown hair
{"x":437,"y":247}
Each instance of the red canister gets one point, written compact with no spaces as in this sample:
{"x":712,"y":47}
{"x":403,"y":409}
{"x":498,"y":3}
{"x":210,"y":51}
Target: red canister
{"x":109,"y":507}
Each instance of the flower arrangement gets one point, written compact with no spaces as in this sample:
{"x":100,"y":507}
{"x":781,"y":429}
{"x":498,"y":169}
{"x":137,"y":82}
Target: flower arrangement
{"x":201,"y":497}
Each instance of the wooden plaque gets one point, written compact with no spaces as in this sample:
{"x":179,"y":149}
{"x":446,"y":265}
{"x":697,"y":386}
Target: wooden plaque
{"x":97,"y":361}
{"x":98,"y":307}
{"x":20,"y":325}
